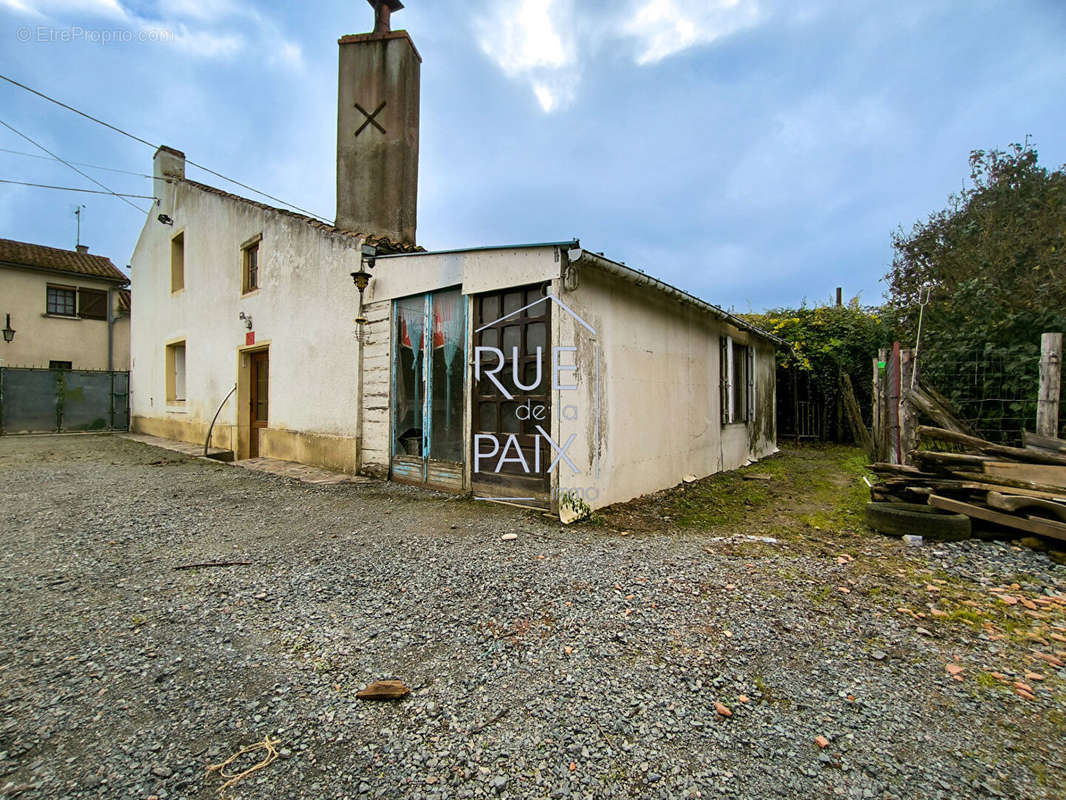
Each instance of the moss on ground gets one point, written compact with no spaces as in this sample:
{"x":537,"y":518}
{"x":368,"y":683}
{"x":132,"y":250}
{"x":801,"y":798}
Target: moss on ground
{"x":824,"y":483}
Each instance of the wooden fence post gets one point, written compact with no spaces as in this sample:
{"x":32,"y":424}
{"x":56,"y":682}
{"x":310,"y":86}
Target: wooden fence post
{"x":875,"y":412}
{"x":1047,"y":405}
{"x":908,"y":416}
{"x":881,"y":385}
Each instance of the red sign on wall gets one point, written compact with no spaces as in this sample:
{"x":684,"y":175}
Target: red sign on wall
{"x":249,"y":338}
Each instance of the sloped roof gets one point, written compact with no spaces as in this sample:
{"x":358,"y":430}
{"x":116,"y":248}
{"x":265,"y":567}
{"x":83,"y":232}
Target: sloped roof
{"x":38,"y":256}
{"x":381,"y":242}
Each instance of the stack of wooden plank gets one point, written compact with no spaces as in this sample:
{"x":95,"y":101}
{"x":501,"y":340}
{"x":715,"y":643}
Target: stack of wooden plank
{"x":1022,"y":489}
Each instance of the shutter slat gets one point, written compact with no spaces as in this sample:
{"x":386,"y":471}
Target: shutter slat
{"x":92,"y":304}
{"x":751,"y":382}
{"x":724,"y":381}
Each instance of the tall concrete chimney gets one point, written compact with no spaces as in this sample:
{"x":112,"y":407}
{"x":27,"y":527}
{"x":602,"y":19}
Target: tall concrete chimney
{"x":377,"y":130}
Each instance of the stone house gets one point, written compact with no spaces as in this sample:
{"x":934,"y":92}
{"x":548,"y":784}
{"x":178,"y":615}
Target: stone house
{"x":69,"y":309}
{"x":542,"y":374}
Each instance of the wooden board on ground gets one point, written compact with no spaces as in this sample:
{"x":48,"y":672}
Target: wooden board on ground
{"x":989,"y":448}
{"x":936,"y":458}
{"x":1053,"y":530}
{"x":1019,"y":503}
{"x":899,"y":469}
{"x":1016,"y":487}
{"x":1044,"y":474}
{"x":977,"y":486}
{"x":1034,"y":442}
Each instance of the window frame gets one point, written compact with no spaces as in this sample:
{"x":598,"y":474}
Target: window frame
{"x":247,"y":249}
{"x":177,"y":262}
{"x":173,"y":396}
{"x":737,"y":381}
{"x":55,"y":287}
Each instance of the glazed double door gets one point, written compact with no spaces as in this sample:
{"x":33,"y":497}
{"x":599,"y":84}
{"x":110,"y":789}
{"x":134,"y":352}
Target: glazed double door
{"x":509,"y":412}
{"x":428,"y":365}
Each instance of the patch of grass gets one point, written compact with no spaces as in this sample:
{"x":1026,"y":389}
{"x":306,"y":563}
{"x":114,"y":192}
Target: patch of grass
{"x":964,"y":614}
{"x":298,"y":645}
{"x":987,"y":681}
{"x":718,"y":501}
{"x":825,"y":479}
{"x":822,"y":595}
{"x":841,"y":495}
{"x":770,"y":694}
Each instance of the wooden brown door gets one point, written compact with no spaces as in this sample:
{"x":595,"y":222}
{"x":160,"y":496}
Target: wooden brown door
{"x":516,"y":323}
{"x":260,"y":399}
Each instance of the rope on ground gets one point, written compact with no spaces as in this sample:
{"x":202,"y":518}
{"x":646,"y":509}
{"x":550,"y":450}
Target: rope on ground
{"x":268,"y":744}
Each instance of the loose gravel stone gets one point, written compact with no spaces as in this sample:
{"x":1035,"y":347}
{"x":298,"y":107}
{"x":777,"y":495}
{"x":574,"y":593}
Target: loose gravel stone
{"x":570,"y":663}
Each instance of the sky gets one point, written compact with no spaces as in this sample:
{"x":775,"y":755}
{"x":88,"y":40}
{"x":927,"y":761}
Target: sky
{"x":756,"y":153}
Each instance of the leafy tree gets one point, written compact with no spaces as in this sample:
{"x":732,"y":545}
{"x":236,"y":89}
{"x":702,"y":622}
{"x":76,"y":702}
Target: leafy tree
{"x":828,"y":342}
{"x":994,"y":262}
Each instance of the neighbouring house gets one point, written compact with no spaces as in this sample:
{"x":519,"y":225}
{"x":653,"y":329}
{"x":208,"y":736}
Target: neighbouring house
{"x":69,"y":309}
{"x":540,"y":374}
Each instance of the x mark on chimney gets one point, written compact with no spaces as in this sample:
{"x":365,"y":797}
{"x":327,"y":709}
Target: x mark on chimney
{"x":370,"y":118}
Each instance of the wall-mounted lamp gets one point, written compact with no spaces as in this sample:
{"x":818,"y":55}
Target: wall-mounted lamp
{"x":9,"y":332}
{"x":362,"y":277}
{"x":165,"y":219}
{"x":247,"y":319}
{"x":369,"y":255}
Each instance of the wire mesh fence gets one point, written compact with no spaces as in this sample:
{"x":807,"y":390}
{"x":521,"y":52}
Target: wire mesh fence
{"x":994,"y":390}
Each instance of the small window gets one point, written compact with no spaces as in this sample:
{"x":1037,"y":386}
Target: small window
{"x":176,"y":372}
{"x":177,"y":263}
{"x":62,"y":301}
{"x":60,"y":365}
{"x":739,"y":383}
{"x":250,"y":267}
{"x":92,"y":304}
{"x":737,"y":368}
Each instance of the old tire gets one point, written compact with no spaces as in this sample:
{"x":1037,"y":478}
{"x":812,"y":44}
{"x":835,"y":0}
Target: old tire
{"x":901,"y":519}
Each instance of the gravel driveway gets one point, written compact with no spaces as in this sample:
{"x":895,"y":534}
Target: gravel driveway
{"x":608,"y":660}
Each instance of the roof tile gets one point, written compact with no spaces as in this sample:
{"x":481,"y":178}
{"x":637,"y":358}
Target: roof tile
{"x":52,"y":258}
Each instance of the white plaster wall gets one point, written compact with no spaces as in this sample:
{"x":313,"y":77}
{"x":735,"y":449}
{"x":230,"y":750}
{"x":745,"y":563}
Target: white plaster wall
{"x":304,"y":309}
{"x":122,"y":342}
{"x":659,"y":392}
{"x":476,"y":270}
{"x":40,"y":338}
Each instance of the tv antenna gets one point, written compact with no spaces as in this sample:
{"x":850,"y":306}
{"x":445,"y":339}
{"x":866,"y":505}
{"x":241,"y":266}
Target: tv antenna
{"x":77,"y":214}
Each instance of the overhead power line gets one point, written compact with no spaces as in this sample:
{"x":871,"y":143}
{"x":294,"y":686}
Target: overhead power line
{"x":156,"y":147}
{"x":76,"y":111}
{"x":72,"y":189}
{"x":78,"y":163}
{"x":84,"y":175}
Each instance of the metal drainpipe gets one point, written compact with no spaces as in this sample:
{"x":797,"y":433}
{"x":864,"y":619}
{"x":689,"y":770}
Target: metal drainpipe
{"x":110,"y":330}
{"x":360,"y":332}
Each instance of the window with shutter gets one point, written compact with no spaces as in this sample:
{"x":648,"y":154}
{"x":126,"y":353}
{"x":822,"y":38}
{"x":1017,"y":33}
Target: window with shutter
{"x":724,"y":378}
{"x":751,"y":383}
{"x":61,"y":301}
{"x":175,"y":372}
{"x":738,"y":382}
{"x":92,"y":304}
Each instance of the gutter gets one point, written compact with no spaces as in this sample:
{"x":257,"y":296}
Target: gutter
{"x":567,"y":245}
{"x":580,"y":256}
{"x":110,"y":330}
